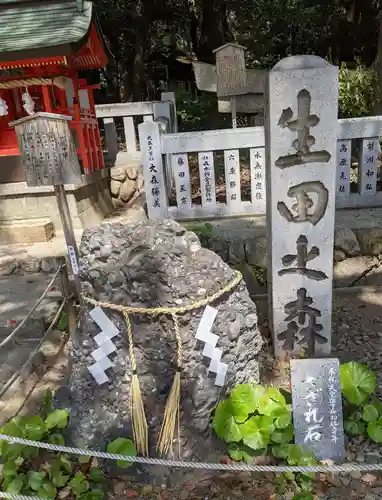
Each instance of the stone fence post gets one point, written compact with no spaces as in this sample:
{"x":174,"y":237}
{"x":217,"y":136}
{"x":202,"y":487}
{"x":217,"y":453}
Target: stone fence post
{"x":153,"y":170}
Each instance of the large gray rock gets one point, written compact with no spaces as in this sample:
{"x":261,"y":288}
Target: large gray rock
{"x":149,"y":264}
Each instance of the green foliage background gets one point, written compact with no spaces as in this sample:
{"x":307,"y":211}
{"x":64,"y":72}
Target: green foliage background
{"x":147,"y":37}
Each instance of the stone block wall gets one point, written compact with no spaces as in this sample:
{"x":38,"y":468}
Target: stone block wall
{"x":89,"y":203}
{"x":125,"y":182}
{"x":243,"y":243}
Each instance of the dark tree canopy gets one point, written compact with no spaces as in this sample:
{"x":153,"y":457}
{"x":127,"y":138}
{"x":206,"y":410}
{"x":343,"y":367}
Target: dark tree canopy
{"x":147,"y":37}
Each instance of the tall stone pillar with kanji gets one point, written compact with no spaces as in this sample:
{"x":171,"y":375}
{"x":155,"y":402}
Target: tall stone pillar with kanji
{"x":301,"y":140}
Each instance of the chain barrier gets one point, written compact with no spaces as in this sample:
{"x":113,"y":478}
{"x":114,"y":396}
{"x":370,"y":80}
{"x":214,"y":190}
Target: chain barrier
{"x":18,"y":328}
{"x":347,"y":468}
{"x":13,"y":496}
{"x":5,"y":387}
{"x":16,"y":375}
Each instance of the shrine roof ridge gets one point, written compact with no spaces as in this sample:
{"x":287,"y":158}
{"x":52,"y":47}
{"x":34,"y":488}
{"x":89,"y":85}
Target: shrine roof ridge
{"x":43,"y":28}
{"x":230,"y":44}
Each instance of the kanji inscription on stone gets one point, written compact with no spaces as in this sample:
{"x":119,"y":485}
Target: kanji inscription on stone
{"x":232,"y":177}
{"x":303,"y":327}
{"x":207,"y":178}
{"x":181,"y":173}
{"x":153,"y":170}
{"x":301,"y":125}
{"x":317,"y":407}
{"x":367,"y":172}
{"x":304,"y":209}
{"x":343,"y":168}
{"x":258,"y":191}
{"x":301,"y":161}
{"x":297,"y":263}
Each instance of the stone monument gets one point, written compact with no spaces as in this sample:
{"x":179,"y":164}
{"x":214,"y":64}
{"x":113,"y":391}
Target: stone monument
{"x":151,"y":264}
{"x":301,"y":148}
{"x":317,"y":407}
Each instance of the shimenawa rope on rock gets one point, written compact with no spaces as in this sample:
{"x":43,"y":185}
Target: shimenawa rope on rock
{"x":172,"y":409}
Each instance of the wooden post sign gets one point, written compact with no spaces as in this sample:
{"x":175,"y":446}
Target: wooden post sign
{"x":47,"y":150}
{"x":230,"y":68}
{"x":49,"y":157}
{"x":231,"y":74}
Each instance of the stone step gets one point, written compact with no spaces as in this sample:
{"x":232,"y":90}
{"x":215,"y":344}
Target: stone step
{"x":45,"y":257}
{"x":26,"y":231}
{"x":22,"y":258}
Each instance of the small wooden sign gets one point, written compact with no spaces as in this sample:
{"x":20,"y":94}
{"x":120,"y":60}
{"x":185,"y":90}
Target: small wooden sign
{"x":230,"y":68}
{"x":47,"y":150}
{"x":317,"y":407}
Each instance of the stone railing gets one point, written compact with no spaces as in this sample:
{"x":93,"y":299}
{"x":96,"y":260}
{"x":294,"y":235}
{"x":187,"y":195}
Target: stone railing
{"x":198,"y":154}
{"x":163,"y":111}
{"x":121,"y":145}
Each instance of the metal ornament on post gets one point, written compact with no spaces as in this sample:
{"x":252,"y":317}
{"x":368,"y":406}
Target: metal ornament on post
{"x":49,"y":158}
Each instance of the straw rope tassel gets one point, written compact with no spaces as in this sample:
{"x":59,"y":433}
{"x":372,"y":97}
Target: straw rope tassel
{"x":137,"y":411}
{"x":172,"y":410}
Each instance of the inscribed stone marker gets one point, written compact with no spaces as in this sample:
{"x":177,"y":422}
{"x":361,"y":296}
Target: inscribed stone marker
{"x":207,"y":178}
{"x":317,"y":407}
{"x":343,"y":168}
{"x":257,"y":163}
{"x":149,"y":140}
{"x":301,"y":137}
{"x":232,"y":179}
{"x":368,"y":166}
{"x":181,"y":172}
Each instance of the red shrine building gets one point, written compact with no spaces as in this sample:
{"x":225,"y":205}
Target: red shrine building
{"x":49,"y":49}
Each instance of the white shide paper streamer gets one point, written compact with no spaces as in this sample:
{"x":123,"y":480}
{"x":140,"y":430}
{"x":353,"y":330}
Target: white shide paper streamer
{"x":210,"y":350}
{"x":105,"y":345}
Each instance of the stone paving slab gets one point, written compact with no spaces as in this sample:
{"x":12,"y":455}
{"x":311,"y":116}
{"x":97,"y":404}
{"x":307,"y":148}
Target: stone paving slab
{"x":18,"y":259}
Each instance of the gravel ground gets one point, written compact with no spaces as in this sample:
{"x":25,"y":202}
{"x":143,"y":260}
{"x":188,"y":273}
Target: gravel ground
{"x":357,"y":334}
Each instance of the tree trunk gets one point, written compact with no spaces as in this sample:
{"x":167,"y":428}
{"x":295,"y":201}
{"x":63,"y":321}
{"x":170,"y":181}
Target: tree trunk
{"x":139,"y":62}
{"x":194,"y":32}
{"x":378,"y":70}
{"x":214,"y":29}
{"x":141,"y":42}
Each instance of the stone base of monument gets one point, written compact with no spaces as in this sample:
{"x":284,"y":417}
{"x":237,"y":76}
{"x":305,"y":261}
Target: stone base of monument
{"x":157,"y":264}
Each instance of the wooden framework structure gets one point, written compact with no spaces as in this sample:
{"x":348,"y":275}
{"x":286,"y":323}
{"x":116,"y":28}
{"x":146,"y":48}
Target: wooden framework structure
{"x":46,"y":48}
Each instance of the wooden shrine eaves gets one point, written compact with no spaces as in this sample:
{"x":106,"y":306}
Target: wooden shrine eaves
{"x":39,"y":29}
